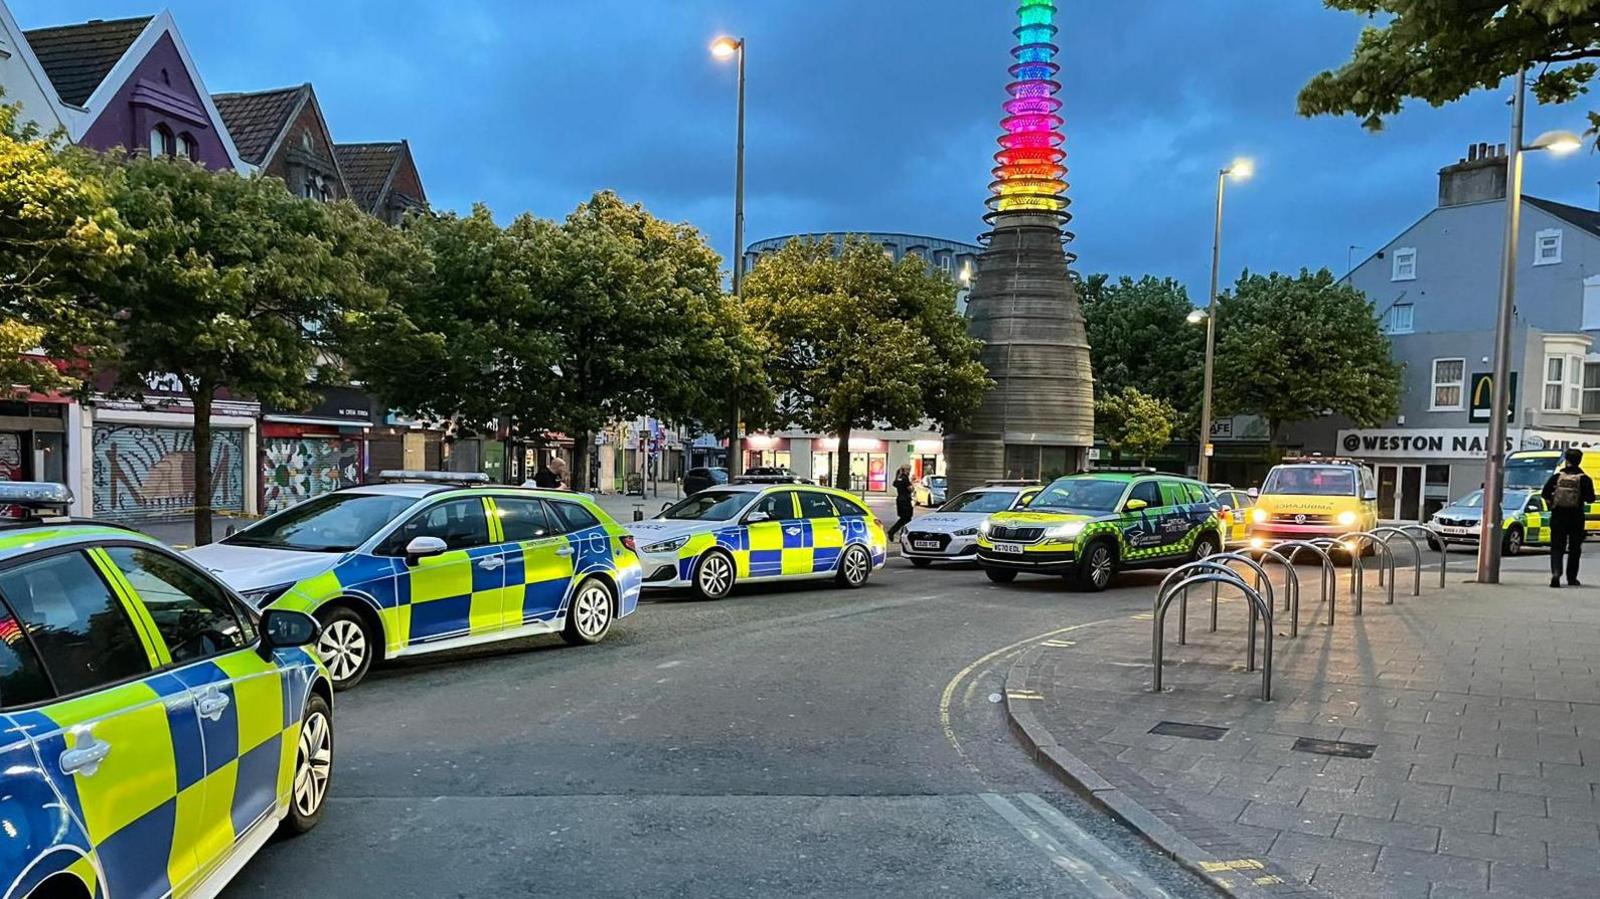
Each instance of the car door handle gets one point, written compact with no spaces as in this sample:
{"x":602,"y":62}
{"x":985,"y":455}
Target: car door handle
{"x":791,"y":531}
{"x":86,"y":758}
{"x":564,"y":551}
{"x":491,"y":563}
{"x":211,"y":705}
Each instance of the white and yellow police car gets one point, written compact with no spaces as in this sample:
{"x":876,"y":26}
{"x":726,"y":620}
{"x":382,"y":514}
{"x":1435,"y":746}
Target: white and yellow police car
{"x":430,"y":561}
{"x":154,"y":730}
{"x":759,"y":532}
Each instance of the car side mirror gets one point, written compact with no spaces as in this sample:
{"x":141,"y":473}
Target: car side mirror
{"x":1134,"y":505}
{"x":754,"y":517}
{"x":284,"y":629}
{"x":666,"y":506}
{"x":1532,"y":507}
{"x":422,"y":547}
{"x":1370,"y":496}
{"x":1253,"y":492}
{"x":1226,"y":508}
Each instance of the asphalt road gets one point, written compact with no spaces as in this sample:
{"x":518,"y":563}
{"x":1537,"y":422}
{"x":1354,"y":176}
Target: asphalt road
{"x":787,"y":741}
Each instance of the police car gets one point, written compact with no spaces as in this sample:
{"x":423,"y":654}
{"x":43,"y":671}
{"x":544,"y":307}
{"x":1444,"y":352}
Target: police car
{"x":1527,"y":521}
{"x":950,"y":534}
{"x":154,"y":730}
{"x":427,"y":561}
{"x":1088,"y":527}
{"x":759,"y":532}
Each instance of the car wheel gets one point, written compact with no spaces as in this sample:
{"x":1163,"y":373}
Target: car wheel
{"x":1000,"y":575}
{"x":590,"y":615}
{"x":922,"y":563}
{"x":346,"y":646}
{"x":714,"y":575}
{"x":1512,"y":544}
{"x":1205,"y":545}
{"x":854,"y":567}
{"x":1097,"y":566}
{"x":313,"y":763}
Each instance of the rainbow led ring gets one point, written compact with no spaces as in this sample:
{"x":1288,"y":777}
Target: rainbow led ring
{"x":1029,"y":172}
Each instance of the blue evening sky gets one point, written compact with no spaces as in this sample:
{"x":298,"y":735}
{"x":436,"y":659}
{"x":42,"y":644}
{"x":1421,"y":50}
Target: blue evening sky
{"x":866,"y":114}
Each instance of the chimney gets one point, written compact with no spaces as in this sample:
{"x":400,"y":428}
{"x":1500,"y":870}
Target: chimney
{"x":1477,"y":178}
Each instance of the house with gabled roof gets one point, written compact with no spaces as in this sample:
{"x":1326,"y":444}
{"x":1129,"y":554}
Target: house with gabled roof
{"x":24,"y":79}
{"x":131,"y":83}
{"x":383,"y":178}
{"x":283,"y":134}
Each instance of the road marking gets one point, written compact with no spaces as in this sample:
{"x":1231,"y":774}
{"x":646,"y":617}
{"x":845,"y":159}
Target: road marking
{"x":1145,"y":616}
{"x":1024,"y":694}
{"x":1236,"y":864}
{"x":1080,"y":870}
{"x":1059,"y":644}
{"x":672,"y":664}
{"x":1118,"y":866}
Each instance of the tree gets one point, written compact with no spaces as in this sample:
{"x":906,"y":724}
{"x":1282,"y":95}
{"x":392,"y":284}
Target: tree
{"x":1139,"y":337}
{"x":57,"y":234}
{"x":1441,"y":50}
{"x":854,"y":340}
{"x":231,"y":285}
{"x":1298,"y":347}
{"x":1135,"y":421}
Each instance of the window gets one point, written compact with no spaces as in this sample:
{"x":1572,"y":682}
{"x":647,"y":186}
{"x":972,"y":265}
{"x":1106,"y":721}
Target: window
{"x":195,"y":616}
{"x":775,"y":505}
{"x":573,"y":517}
{"x":1448,"y":377}
{"x":1591,"y":388}
{"x":1147,"y":491}
{"x":1547,"y":247}
{"x":79,"y":628}
{"x":1574,"y":383}
{"x":460,"y":523}
{"x":1174,"y":494}
{"x":1198,"y":493}
{"x":815,"y":505}
{"x":334,"y":522}
{"x":185,"y":148}
{"x":22,"y":678}
{"x":1399,"y":319}
{"x":1563,"y":383}
{"x":1405,"y":265}
{"x":521,"y":519}
{"x":847,"y":508}
{"x":160,"y":142}
{"x":1591,"y":303}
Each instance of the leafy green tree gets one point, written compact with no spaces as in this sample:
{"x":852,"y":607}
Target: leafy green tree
{"x":854,"y":340}
{"x":1139,"y":337}
{"x":1299,"y":347}
{"x":231,"y":286}
{"x":1134,"y":421}
{"x":1441,"y":50}
{"x":57,"y":235}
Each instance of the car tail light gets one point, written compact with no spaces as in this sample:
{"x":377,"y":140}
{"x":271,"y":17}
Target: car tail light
{"x":628,"y":542}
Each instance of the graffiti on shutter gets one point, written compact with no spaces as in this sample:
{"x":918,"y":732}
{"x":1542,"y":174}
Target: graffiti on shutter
{"x":294,"y":469}
{"x":145,"y":472}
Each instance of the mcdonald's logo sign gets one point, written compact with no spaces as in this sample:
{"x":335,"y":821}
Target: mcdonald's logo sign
{"x":1482,"y":397}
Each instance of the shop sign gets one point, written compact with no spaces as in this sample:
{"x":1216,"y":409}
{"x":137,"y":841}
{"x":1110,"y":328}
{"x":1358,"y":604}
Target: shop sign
{"x":857,"y":445}
{"x":1482,"y":396}
{"x":1417,"y":443}
{"x":1559,"y":440}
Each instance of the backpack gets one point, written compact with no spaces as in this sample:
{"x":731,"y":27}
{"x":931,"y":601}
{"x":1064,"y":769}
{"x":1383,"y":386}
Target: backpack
{"x":1568,"y":493}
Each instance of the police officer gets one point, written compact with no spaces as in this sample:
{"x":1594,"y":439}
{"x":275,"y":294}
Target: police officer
{"x":1568,"y":493}
{"x":902,"y":501}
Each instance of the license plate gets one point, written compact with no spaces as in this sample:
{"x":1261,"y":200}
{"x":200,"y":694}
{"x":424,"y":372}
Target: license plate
{"x":1460,"y":531}
{"x":1014,"y":549}
{"x":925,"y":544}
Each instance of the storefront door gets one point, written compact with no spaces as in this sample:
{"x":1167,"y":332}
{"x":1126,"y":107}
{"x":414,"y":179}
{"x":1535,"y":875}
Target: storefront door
{"x":1401,"y":494}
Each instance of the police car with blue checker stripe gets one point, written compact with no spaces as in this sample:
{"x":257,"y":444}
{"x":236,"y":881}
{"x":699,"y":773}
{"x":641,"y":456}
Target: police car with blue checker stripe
{"x":428,"y":561}
{"x":760,"y":532}
{"x":154,"y":730}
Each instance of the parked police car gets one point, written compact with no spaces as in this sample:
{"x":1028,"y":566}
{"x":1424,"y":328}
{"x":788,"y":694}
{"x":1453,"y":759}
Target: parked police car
{"x":950,"y":533}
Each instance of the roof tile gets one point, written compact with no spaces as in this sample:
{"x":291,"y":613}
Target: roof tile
{"x":78,"y":57}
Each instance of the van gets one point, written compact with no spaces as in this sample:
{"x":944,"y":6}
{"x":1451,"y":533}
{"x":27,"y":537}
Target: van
{"x":1313,"y":497}
{"x":1529,"y":469}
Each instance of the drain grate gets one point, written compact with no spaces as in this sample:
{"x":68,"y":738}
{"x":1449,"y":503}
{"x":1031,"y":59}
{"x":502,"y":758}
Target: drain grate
{"x":1188,"y":731}
{"x":1335,"y":748}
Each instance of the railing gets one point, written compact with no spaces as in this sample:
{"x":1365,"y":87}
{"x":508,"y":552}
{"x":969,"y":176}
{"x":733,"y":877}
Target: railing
{"x":1208,"y":573}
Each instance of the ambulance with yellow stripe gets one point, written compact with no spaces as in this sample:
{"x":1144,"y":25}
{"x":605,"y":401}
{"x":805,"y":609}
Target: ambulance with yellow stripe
{"x":1311,"y":497}
{"x":428,"y":561}
{"x":1529,"y":469}
{"x":760,"y":532}
{"x":155,"y":732}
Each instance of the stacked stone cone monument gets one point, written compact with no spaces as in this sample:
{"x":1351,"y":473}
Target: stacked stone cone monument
{"x":1038,"y":421}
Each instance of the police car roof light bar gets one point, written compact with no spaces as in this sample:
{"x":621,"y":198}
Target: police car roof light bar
{"x":434,"y":477}
{"x":35,"y":495}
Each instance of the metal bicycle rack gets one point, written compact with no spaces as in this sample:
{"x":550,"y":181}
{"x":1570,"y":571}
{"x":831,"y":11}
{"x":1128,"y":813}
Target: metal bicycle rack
{"x":1202,"y":565}
{"x":1291,"y":588}
{"x":1427,"y":535}
{"x":1390,"y":533}
{"x":1385,"y":561}
{"x":1328,"y":588}
{"x":1259,"y":607}
{"x":1261,"y":579}
{"x":1355,"y":569}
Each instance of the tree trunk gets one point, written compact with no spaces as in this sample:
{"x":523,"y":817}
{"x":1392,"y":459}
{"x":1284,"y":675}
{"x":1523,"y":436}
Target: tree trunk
{"x":582,"y":446}
{"x":841,"y":468}
{"x":201,"y":397}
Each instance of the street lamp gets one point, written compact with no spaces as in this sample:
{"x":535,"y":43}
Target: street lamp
{"x":1240,"y":169}
{"x":726,"y":47}
{"x":1558,"y":142}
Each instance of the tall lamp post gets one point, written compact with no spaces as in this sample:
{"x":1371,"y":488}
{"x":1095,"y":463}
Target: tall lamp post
{"x":726,"y":47}
{"x":1240,"y":169}
{"x":1500,"y":402}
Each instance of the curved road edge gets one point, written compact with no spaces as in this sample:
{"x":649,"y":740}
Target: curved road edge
{"x":1224,"y":865}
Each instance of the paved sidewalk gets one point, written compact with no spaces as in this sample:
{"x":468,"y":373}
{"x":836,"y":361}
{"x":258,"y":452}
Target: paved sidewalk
{"x":1480,"y":706}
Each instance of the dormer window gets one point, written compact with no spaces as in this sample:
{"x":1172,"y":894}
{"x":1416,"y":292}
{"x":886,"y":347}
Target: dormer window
{"x":161,"y":142}
{"x":186,"y":148}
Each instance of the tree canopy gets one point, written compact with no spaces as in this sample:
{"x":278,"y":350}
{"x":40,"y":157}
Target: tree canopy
{"x":1299,"y":347}
{"x":1441,"y":50}
{"x":1139,"y":337}
{"x":1133,"y":421}
{"x":854,"y":339}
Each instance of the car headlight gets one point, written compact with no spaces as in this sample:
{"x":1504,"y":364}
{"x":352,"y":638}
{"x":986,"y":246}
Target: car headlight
{"x":260,"y":599}
{"x":983,"y":527}
{"x":967,"y":532}
{"x":1065,"y":531}
{"x":1259,"y":516}
{"x":1347,"y":519}
{"x":667,"y":546}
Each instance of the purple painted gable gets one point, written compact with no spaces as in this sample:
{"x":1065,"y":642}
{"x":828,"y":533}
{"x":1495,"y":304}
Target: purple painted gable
{"x":159,"y":93}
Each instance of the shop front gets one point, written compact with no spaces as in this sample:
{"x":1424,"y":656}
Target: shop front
{"x":316,"y":451}
{"x":868,"y":458}
{"x":142,"y":463}
{"x":33,"y":441}
{"x":767,"y":451}
{"x":927,"y":458}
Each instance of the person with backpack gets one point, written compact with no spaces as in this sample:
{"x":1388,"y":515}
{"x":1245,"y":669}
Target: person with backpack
{"x":1568,"y":493}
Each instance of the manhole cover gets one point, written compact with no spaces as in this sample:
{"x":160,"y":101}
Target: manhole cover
{"x":1335,"y":747}
{"x":1189,"y":731}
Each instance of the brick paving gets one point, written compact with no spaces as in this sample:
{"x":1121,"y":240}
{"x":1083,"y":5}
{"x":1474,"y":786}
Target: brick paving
{"x":1482,"y":703}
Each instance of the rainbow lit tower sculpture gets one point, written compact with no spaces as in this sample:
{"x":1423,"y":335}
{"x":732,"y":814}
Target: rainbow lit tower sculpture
{"x":1038,"y":421}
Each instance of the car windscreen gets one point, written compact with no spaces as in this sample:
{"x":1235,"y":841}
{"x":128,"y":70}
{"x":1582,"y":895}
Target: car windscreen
{"x":985,"y":501}
{"x":937,"y":480}
{"x":1529,"y":473}
{"x":1311,"y":480}
{"x":1081,"y":494}
{"x":710,"y":505}
{"x":336,"y":522}
{"x":1511,"y":500}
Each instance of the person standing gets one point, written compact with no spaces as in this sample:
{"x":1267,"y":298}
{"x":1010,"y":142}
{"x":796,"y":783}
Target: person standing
{"x":1568,"y":493}
{"x":902,"y":500}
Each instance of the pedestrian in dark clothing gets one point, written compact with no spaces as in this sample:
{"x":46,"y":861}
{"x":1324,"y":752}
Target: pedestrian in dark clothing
{"x":902,"y":500}
{"x":544,"y":478}
{"x":1569,"y":492}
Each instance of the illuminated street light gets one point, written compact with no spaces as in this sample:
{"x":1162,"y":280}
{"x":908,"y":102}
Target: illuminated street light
{"x":725,"y":47}
{"x":1240,"y":169}
{"x":1558,"y":142}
